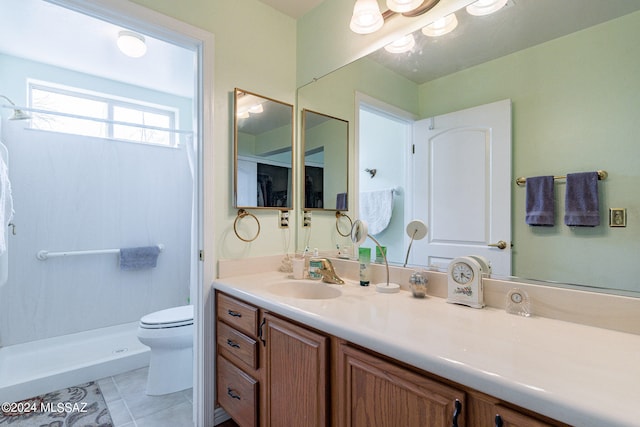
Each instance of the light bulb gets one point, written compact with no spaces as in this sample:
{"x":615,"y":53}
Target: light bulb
{"x":366,"y":17}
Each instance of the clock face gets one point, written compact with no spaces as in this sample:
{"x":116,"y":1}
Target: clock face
{"x":462,"y":273}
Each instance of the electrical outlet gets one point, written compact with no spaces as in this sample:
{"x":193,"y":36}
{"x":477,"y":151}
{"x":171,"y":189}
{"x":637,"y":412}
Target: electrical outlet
{"x":284,"y":219}
{"x":306,"y":219}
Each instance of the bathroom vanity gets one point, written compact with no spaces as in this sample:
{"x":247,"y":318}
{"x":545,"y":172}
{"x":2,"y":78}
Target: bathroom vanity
{"x":359,"y":356}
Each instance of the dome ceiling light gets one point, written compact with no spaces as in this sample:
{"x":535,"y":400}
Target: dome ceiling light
{"x":132,"y":44}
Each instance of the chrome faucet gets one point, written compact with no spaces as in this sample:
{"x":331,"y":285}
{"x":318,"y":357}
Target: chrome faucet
{"x":328,"y":273}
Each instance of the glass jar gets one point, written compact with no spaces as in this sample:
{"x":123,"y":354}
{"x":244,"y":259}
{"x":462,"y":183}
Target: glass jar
{"x":418,"y":282}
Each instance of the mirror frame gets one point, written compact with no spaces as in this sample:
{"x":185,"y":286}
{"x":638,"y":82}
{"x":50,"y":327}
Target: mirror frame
{"x":290,"y":203}
{"x":303,"y":174}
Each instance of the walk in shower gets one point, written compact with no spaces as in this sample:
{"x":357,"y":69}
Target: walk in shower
{"x":86,"y":182}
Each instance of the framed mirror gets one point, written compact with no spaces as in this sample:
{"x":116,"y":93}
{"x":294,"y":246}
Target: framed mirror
{"x":263,"y":152}
{"x":573,"y":83}
{"x":325,"y":144}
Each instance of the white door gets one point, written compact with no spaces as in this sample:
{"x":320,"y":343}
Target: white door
{"x":461,"y":186}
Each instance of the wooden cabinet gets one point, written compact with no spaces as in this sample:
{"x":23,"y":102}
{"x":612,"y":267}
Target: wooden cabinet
{"x":296,"y":375}
{"x":377,"y":392}
{"x":274,"y":372}
{"x":238,"y":380}
{"x":270,"y":371}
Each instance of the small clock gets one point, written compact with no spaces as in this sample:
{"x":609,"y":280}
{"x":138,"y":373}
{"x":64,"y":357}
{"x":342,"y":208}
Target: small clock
{"x":464,"y":280}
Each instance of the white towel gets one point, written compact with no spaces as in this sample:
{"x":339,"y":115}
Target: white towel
{"x":376,"y":208}
{"x":6,"y":200}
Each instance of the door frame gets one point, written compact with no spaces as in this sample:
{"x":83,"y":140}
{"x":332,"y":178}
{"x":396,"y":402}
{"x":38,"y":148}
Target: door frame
{"x":370,"y":103}
{"x":147,"y":21}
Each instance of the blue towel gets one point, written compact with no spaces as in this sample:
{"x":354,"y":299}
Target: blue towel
{"x":341,"y":201}
{"x":582,"y":206}
{"x":139,"y":258}
{"x":540,"y":202}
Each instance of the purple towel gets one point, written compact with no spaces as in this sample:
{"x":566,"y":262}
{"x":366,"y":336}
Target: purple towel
{"x":540,"y":203}
{"x":582,"y":206}
{"x":341,"y":201}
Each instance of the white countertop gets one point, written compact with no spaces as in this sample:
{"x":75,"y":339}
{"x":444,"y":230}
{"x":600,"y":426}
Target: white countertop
{"x":580,"y":375}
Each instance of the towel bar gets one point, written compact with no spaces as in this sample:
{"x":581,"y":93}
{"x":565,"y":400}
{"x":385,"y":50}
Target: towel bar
{"x":44,"y":255}
{"x":602,"y":175}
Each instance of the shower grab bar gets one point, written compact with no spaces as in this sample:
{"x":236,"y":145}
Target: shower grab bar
{"x":44,"y":255}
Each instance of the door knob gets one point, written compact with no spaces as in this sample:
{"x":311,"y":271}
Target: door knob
{"x":500,"y":245}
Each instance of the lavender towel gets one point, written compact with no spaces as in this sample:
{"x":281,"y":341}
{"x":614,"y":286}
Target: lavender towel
{"x":341,"y":201}
{"x":540,"y":202}
{"x":139,"y":258}
{"x":582,"y":206}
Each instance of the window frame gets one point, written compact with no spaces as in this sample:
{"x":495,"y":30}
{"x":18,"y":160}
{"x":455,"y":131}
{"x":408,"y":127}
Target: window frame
{"x":112,"y":101}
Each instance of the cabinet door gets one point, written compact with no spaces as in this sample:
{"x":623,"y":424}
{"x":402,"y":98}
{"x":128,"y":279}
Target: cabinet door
{"x":296,"y":375}
{"x":380,"y":393}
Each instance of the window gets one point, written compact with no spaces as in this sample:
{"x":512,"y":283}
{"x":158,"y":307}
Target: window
{"x":70,"y":110}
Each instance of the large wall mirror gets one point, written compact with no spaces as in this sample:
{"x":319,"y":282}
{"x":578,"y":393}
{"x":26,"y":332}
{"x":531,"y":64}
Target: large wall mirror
{"x":325,"y":144}
{"x":572,"y":72}
{"x":263,"y":152}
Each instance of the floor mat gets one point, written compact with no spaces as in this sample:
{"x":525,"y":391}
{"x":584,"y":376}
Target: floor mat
{"x":78,"y":406}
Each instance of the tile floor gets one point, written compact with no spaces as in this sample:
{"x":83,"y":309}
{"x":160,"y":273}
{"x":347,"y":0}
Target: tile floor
{"x":131,"y":407}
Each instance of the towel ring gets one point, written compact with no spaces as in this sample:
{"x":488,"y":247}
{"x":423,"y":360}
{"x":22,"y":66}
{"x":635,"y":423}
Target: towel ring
{"x":241,"y":214}
{"x":338,"y":216}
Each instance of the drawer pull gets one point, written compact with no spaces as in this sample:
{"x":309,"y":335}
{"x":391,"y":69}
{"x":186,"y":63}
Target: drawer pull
{"x":456,"y":412}
{"x":234,"y":313}
{"x":498,"y":421}
{"x":232,"y":343}
{"x":232,"y":394}
{"x":260,"y":332}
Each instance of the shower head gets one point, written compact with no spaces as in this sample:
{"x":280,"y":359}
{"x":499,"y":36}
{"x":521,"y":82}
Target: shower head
{"x":18,"y":114}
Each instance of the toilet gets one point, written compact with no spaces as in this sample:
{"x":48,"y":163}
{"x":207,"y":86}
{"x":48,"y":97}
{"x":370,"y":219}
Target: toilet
{"x":169,"y":335}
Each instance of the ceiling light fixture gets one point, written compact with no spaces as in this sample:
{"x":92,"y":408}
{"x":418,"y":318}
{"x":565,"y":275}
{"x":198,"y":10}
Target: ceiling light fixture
{"x":485,"y":7}
{"x":404,"y":44}
{"x":366,"y":17}
{"x":401,"y":6}
{"x":131,"y":44}
{"x":441,"y":27}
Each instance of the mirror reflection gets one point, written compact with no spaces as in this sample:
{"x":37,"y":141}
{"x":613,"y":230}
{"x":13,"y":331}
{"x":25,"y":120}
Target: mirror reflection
{"x":325,"y":142}
{"x":570,"y":70}
{"x":263,"y":143}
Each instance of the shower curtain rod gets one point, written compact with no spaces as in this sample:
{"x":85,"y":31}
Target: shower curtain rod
{"x":96,"y":119}
{"x":44,"y":255}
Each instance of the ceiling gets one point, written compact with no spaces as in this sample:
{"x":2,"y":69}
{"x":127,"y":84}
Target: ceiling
{"x":43,"y":32}
{"x":519,"y":25}
{"x":293,"y":8}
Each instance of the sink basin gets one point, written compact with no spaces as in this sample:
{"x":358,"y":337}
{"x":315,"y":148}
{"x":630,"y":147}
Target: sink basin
{"x":304,"y":289}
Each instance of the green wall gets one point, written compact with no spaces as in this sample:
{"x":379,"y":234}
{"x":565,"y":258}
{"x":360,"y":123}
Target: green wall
{"x":255,"y":50}
{"x":575,"y":108}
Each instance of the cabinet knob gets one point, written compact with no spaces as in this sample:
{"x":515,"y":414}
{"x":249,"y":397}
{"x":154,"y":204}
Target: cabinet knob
{"x":456,"y":413}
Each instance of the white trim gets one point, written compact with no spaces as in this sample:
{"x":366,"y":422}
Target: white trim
{"x":155,"y":24}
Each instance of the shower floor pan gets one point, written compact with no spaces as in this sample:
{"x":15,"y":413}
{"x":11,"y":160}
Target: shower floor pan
{"x":37,"y":367}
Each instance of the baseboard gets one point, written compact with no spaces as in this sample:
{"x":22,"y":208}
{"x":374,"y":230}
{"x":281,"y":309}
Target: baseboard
{"x":220,"y":416}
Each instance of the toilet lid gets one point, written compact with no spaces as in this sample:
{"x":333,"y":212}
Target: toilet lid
{"x":169,"y":318}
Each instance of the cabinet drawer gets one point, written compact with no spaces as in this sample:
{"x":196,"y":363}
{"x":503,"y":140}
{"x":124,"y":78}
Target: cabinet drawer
{"x":236,"y":344}
{"x":237,"y":393}
{"x":238,"y":314}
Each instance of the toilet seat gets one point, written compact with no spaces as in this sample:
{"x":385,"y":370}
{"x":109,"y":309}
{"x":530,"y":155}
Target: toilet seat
{"x":169,"y":318}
